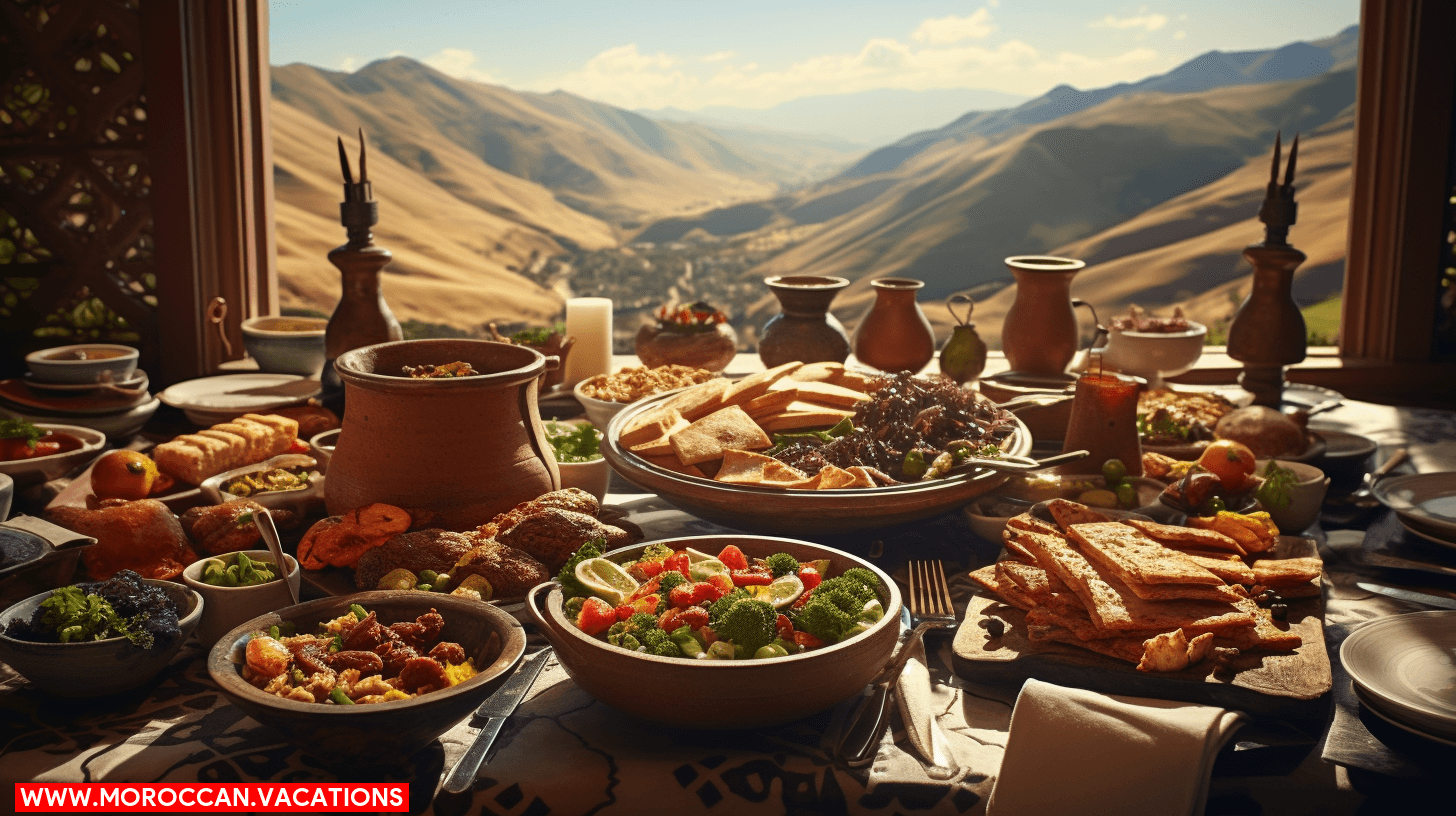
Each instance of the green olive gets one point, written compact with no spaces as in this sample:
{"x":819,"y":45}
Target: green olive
{"x":1127,"y":495}
{"x":428,"y":576}
{"x":1114,"y":471}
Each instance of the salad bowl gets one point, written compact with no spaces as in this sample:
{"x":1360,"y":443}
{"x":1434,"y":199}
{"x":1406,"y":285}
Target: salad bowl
{"x":723,"y":694}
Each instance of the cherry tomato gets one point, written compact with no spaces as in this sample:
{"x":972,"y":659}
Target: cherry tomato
{"x":733,"y":558}
{"x":678,"y":562}
{"x":804,"y":640}
{"x":752,"y":578}
{"x":810,"y":577}
{"x":1232,"y":462}
{"x":596,"y":616}
{"x":784,"y":628}
{"x":672,"y":619}
{"x":721,"y":582}
{"x":46,"y":447}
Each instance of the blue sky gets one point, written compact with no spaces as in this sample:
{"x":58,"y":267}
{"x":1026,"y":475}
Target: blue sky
{"x":757,"y":53}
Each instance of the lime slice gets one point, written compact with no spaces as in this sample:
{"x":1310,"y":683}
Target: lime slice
{"x":700,"y":570}
{"x":606,"y":579}
{"x":781,"y":593}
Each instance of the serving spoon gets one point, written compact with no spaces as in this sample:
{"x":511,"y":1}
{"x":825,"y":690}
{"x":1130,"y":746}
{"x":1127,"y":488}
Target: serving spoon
{"x":1015,"y":464}
{"x":263,"y":520}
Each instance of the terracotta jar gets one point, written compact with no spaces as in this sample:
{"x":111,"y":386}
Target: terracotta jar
{"x":894,"y":335}
{"x":804,"y":330}
{"x":1040,"y":332}
{"x":467,"y":447}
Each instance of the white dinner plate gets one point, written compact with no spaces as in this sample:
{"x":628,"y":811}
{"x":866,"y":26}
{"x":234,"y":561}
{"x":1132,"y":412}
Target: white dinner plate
{"x":210,"y":400}
{"x":1370,"y":704}
{"x":1407,"y":664}
{"x":1414,"y":528}
{"x":1428,"y":498}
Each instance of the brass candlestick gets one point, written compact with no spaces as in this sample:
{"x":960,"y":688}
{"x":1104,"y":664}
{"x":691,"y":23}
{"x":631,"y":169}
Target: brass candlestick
{"x":362,"y":318}
{"x":1267,"y":332}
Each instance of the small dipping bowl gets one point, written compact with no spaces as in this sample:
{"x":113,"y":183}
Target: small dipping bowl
{"x":1155,"y":355}
{"x":286,"y":345}
{"x":1305,"y":497}
{"x":226,"y":607}
{"x":592,"y":476}
{"x":85,"y":363}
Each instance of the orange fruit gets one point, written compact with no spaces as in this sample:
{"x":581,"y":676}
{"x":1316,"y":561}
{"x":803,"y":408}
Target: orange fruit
{"x":1232,"y":462}
{"x":123,"y":474}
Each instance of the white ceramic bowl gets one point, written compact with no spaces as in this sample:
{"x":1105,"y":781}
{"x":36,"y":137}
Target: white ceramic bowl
{"x":1154,"y":355}
{"x":28,"y":472}
{"x":226,"y":607}
{"x":323,"y":447}
{"x":45,"y":365}
{"x":98,"y":667}
{"x":600,"y":412}
{"x":593,"y":476}
{"x":286,"y":345}
{"x":1305,"y":499}
{"x":296,"y":500}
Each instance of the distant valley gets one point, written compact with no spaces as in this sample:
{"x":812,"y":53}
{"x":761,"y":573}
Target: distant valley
{"x":497,"y":204}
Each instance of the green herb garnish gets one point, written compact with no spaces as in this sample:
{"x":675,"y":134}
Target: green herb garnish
{"x":75,"y":616}
{"x":537,"y":337}
{"x":842,"y":428}
{"x":1161,"y":426}
{"x":1278,"y":486}
{"x":20,"y":429}
{"x":574,"y":443}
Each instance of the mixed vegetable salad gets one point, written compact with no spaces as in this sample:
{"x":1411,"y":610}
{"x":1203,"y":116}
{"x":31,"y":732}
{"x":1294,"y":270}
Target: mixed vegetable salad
{"x":690,"y":604}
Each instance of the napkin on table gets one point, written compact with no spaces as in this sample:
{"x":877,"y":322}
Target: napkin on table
{"x":1076,"y":751}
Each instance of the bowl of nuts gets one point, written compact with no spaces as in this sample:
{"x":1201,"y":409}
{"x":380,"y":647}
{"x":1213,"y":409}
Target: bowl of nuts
{"x":605,"y":395}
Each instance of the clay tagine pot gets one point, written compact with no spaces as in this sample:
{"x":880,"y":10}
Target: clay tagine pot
{"x":697,"y":335}
{"x":805,"y":330}
{"x":466,"y":447}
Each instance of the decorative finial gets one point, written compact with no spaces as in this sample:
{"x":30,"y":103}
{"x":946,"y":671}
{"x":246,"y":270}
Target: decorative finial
{"x":1279,"y":210}
{"x":1289,"y":169}
{"x":344,"y":162}
{"x":359,"y":211}
{"x":364,"y":156}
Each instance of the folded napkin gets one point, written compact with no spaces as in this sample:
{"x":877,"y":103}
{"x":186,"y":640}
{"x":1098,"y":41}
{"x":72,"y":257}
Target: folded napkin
{"x":918,"y":710}
{"x":1076,"y":751}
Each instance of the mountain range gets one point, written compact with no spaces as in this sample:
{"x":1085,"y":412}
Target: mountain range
{"x":489,"y":198}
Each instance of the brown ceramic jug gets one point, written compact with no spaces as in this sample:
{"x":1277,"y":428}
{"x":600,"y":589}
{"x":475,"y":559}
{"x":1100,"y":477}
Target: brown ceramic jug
{"x":1040,"y":332}
{"x":895,"y":335}
{"x":805,"y":330}
{"x":466,"y":447}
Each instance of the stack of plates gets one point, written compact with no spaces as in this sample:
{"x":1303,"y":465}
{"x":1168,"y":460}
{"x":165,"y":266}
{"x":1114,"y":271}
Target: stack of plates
{"x":1425,"y":503}
{"x":116,"y":409}
{"x":1404,"y":674}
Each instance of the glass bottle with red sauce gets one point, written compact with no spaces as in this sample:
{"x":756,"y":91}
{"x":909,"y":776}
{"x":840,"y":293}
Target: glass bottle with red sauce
{"x":1104,"y":421}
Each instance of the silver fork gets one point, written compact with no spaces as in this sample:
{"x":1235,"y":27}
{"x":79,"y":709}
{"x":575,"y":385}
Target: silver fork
{"x":930,"y":608}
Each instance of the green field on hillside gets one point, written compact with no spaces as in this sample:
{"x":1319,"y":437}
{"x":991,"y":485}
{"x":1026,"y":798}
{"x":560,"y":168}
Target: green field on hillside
{"x":1322,"y":322}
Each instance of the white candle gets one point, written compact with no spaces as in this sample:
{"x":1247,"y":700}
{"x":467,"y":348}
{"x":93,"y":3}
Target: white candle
{"x":589,"y":320}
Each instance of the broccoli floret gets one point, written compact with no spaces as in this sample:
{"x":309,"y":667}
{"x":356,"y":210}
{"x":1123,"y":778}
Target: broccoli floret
{"x":723,"y":604}
{"x":823,"y":619}
{"x":658,"y":642}
{"x":641,"y":622}
{"x":666,"y":580}
{"x":781,"y":564}
{"x":748,"y":623}
{"x":848,"y":591}
{"x":570,"y":587}
{"x":863,"y":576}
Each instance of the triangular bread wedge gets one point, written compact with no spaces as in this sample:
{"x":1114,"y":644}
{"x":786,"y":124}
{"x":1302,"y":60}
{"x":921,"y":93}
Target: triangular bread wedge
{"x":1182,"y":538}
{"x":700,"y":400}
{"x":1068,"y":513}
{"x":822,"y":393}
{"x":817,"y":372}
{"x":724,"y":429}
{"x":1136,"y":558}
{"x":756,"y":385}
{"x":773,"y":402}
{"x":748,"y":468}
{"x":670,"y":462}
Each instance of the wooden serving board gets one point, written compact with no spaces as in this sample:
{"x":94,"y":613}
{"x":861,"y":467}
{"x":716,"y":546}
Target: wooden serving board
{"x":1290,"y":686}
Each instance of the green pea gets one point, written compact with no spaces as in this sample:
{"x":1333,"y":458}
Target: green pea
{"x":771,"y":650}
{"x":274,"y":632}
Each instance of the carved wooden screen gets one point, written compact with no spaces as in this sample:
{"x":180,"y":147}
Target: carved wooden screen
{"x":75,"y":224}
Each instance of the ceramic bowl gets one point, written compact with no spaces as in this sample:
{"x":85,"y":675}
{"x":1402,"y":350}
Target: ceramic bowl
{"x":776,"y":511}
{"x":988,"y":514}
{"x":375,"y":735}
{"x":29,"y":472}
{"x":7,"y":494}
{"x":226,"y":607}
{"x":297,"y":500}
{"x":593,"y":476}
{"x":62,"y":364}
{"x":286,"y":345}
{"x":1155,"y":355}
{"x":1305,"y":498}
{"x":323,"y":446}
{"x":119,"y":425}
{"x":99,"y":667}
{"x":600,"y":412}
{"x":723,"y":694}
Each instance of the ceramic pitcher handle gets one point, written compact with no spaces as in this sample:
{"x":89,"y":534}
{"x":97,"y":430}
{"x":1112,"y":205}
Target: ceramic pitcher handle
{"x":951,"y":301}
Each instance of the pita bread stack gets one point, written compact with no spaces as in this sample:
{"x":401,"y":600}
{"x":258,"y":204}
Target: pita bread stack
{"x":1160,"y":596}
{"x":717,"y":429}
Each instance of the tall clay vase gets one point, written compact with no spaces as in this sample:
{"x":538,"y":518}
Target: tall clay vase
{"x":894,"y":335}
{"x":1040,"y":333}
{"x":804,"y":330}
{"x":467,"y":447}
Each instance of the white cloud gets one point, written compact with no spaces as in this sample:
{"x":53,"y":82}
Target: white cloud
{"x":718,"y":57}
{"x":1178,"y":35}
{"x":1150,"y":22}
{"x":349,"y":63}
{"x":946,"y":30}
{"x":457,"y":63}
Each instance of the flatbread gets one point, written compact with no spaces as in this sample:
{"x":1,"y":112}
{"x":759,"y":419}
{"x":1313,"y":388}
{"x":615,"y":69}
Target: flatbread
{"x":817,"y":372}
{"x":771,"y":403}
{"x":1184,"y":537}
{"x":700,"y":400}
{"x":1137,"y":558}
{"x":1124,"y":648}
{"x":649,"y":426}
{"x":670,"y":462}
{"x":1280,"y":572}
{"x":1232,"y":571}
{"x":985,"y":577}
{"x":1068,"y":513}
{"x":1032,"y":580}
{"x":823,"y":393}
{"x":756,"y":385}
{"x":747,"y":468}
{"x":829,"y":478}
{"x":724,"y":429}
{"x":801,"y":414}
{"x":1030,"y":523}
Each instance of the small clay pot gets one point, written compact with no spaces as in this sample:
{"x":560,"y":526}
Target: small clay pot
{"x":805,"y":330}
{"x":712,"y":349}
{"x":466,"y":447}
{"x":895,"y":335}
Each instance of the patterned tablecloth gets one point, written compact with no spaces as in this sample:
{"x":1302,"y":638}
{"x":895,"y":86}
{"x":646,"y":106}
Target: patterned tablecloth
{"x":565,"y":753}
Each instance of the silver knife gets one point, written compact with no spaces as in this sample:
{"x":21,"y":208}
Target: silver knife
{"x":1409,"y":595}
{"x":496,"y":709}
